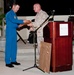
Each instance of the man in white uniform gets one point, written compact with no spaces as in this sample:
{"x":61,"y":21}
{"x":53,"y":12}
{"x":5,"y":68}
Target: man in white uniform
{"x":40,"y":17}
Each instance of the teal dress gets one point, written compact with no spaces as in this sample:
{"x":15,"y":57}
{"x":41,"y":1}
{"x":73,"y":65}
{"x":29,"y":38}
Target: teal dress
{"x":12,"y":23}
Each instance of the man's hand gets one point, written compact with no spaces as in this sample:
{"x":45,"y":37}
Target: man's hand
{"x":21,"y":25}
{"x":31,"y":29}
{"x":27,"y":22}
{"x":30,"y":24}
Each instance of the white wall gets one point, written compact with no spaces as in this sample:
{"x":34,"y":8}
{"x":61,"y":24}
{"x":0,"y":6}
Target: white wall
{"x":61,"y":18}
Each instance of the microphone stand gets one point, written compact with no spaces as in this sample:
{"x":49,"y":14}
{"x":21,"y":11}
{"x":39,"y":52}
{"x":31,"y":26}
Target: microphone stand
{"x":53,"y":14}
{"x":34,"y":33}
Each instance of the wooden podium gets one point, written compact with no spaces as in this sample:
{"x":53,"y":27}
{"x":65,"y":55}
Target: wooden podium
{"x":60,"y":34}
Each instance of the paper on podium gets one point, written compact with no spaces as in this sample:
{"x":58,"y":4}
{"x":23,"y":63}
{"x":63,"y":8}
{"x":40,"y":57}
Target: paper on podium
{"x":45,"y":56}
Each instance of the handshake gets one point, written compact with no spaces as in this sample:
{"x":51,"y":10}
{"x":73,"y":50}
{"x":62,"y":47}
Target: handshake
{"x":26,"y":22}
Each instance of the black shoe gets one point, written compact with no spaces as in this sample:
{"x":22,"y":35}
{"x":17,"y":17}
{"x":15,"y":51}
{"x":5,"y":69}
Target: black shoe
{"x":9,"y":65}
{"x":15,"y":63}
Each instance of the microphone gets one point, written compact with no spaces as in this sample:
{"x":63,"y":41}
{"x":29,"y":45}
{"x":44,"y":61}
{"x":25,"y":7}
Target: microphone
{"x":52,"y":15}
{"x":52,"y":11}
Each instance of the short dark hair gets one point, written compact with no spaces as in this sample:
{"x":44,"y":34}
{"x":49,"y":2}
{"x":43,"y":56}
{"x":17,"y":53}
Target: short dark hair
{"x":14,"y":3}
